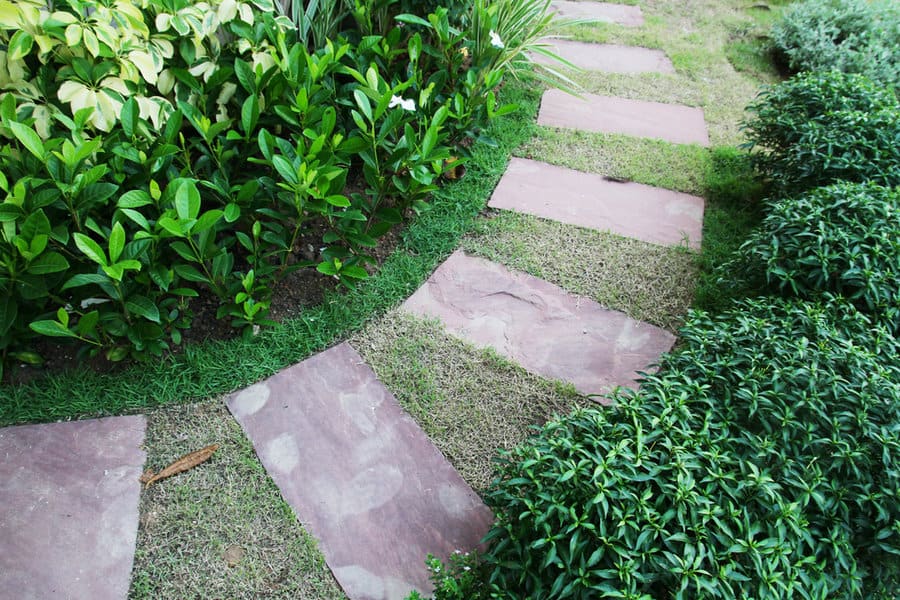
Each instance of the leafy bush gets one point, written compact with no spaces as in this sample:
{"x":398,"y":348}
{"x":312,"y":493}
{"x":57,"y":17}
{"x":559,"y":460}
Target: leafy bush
{"x":151,"y":152}
{"x":762,"y":462}
{"x":819,"y":128}
{"x":853,"y":36}
{"x":840,"y":239}
{"x":460,"y":578}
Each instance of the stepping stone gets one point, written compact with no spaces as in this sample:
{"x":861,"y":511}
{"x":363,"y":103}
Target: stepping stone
{"x":629,"y":209}
{"x":538,"y":325}
{"x":360,"y":474}
{"x":609,"y":58}
{"x":622,"y":14}
{"x":606,"y":114}
{"x":69,"y":514}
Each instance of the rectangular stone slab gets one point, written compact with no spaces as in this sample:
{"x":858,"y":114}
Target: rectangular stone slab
{"x":360,"y":474}
{"x":629,"y":209}
{"x":607,"y":114}
{"x":622,"y":14}
{"x":69,"y":495}
{"x":608,"y":58}
{"x":538,"y":325}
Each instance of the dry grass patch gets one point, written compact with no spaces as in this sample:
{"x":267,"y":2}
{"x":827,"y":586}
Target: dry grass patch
{"x":220,"y":530}
{"x":645,"y":281}
{"x":470,"y":402}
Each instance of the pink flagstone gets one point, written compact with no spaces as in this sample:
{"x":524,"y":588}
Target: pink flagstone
{"x":538,"y":325}
{"x":609,"y":58}
{"x":360,"y":474}
{"x":639,"y":211}
{"x":69,"y":495}
{"x":622,"y":14}
{"x":606,"y":114}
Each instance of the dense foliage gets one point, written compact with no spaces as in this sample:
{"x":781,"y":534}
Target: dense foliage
{"x":819,"y":128}
{"x":152,"y":151}
{"x":762,"y":462}
{"x":841,"y":239}
{"x":853,"y":36}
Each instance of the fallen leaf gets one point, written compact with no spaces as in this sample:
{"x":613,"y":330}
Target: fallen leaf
{"x":233,"y":555}
{"x":188,"y":461}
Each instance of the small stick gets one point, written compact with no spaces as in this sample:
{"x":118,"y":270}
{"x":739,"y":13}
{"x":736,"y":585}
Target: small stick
{"x":188,"y":461}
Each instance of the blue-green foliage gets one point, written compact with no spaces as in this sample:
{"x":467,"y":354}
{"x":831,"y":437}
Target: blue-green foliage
{"x":853,"y":36}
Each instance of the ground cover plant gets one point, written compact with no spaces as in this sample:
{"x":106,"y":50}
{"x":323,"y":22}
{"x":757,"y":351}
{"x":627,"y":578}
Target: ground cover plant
{"x":819,"y":128}
{"x":852,"y":36}
{"x":124,"y":158}
{"x":758,"y":463}
{"x":841,"y":239}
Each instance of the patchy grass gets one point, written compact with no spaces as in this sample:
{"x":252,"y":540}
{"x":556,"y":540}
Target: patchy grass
{"x":188,"y":522}
{"x":470,"y":402}
{"x":696,"y":36}
{"x":645,"y":281}
{"x":652,"y":162}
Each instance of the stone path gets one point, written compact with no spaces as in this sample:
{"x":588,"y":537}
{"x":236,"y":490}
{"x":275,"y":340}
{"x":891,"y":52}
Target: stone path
{"x":621,"y":14}
{"x":643,"y":212}
{"x":538,"y":325}
{"x":639,"y":118}
{"x":358,"y":472}
{"x":608,"y":58}
{"x":69,"y":497}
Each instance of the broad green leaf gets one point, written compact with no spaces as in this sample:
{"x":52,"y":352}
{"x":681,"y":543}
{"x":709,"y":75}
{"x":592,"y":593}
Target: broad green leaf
{"x":84,"y":279}
{"x":232,"y":212}
{"x":51,"y":329}
{"x":28,"y":138}
{"x":51,"y":262}
{"x":144,"y":307}
{"x":187,"y":200}
{"x":250,"y":114}
{"x":9,"y":212}
{"x":90,"y":248}
{"x":285,"y":169}
{"x":129,"y":116}
{"x":116,"y":242}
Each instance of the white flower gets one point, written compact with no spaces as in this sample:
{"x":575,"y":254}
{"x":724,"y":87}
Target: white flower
{"x":496,"y":42}
{"x":405,"y":104}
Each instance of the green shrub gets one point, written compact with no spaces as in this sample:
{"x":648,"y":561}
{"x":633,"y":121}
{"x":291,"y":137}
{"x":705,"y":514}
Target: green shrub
{"x":460,"y":578}
{"x":853,"y":36}
{"x":841,"y":239}
{"x":819,"y":128}
{"x":762,"y":462}
{"x":153,"y":152}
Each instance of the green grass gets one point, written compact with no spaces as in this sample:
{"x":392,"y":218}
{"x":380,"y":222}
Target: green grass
{"x":228,"y":504}
{"x":205,"y":370}
{"x":645,"y":281}
{"x":470,"y":402}
{"x":652,"y":162}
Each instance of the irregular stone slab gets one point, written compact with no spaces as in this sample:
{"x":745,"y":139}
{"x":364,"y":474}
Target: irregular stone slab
{"x":609,"y":58}
{"x":360,"y":474}
{"x":606,"y":114}
{"x":622,"y":14}
{"x":69,"y":509}
{"x":538,"y":325}
{"x":629,"y":209}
